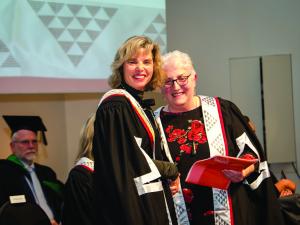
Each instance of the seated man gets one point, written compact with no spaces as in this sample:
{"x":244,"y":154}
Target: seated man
{"x":21,"y":179}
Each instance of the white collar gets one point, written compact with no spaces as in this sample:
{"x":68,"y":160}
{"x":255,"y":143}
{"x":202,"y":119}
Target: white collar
{"x":84,"y":161}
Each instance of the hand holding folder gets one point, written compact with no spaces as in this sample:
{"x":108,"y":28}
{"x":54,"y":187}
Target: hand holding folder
{"x":210,"y":172}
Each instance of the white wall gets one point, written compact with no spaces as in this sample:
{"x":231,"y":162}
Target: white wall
{"x":214,"y":31}
{"x":78,"y":107}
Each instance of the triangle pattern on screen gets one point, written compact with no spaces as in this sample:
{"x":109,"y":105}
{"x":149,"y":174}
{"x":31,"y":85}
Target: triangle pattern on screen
{"x":6,"y":58}
{"x":157,"y":32}
{"x":75,"y":27}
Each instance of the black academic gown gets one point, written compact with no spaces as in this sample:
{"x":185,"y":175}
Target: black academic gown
{"x":250,"y":206}
{"x":260,"y":205}
{"x":118,"y":160}
{"x":13,"y":182}
{"x":78,"y":197}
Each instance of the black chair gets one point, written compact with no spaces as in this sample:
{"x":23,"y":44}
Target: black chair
{"x":23,"y":214}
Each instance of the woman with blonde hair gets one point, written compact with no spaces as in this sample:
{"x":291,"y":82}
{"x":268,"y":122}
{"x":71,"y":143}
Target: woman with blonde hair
{"x":79,"y":190}
{"x":130,"y":189}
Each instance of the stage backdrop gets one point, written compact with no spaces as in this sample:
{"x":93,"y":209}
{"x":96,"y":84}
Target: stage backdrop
{"x":68,"y":46}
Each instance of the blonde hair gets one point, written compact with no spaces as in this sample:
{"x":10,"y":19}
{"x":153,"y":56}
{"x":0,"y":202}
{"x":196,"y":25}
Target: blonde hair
{"x":86,"y":139}
{"x":126,"y":51}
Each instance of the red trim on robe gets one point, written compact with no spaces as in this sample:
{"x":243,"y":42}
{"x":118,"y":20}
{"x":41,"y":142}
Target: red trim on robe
{"x":140,"y":116}
{"x":227,"y":153}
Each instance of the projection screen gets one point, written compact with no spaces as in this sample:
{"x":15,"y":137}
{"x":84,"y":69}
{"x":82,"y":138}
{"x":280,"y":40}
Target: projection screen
{"x":67,"y":46}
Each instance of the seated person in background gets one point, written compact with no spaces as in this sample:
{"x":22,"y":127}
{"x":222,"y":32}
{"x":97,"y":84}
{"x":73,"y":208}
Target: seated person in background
{"x":21,"y":176}
{"x":284,"y":186}
{"x":79,"y":191}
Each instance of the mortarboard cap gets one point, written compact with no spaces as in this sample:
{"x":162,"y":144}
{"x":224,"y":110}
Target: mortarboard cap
{"x":33,"y":123}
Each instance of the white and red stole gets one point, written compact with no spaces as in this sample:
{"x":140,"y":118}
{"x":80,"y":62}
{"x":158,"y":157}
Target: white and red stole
{"x":216,"y":136}
{"x":86,"y":163}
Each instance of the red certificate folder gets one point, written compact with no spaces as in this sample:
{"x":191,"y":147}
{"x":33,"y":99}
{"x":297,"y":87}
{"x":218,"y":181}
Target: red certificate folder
{"x":208,"y":172}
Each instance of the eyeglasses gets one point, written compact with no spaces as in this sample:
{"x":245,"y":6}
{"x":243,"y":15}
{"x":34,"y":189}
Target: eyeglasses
{"x":181,"y":81}
{"x":27,"y":142}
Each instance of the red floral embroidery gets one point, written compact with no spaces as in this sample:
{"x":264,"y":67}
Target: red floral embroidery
{"x":181,"y":140}
{"x":189,"y":139}
{"x":175,"y":134}
{"x":196,"y":126}
{"x":197,"y":132}
{"x":169,"y":128}
{"x":186,"y":148}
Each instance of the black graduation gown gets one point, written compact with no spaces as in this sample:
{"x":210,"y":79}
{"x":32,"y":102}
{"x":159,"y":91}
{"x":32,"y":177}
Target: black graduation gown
{"x":78,"y":197}
{"x":13,"y":182}
{"x":249,"y":206}
{"x":118,"y":160}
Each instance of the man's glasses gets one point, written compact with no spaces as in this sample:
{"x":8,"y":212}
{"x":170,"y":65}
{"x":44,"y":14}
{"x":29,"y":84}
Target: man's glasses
{"x":27,"y":142}
{"x":181,"y":81}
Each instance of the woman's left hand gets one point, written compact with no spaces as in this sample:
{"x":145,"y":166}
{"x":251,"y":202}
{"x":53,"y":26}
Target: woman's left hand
{"x":238,"y":176}
{"x":233,"y":175}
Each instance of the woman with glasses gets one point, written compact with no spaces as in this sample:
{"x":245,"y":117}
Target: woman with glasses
{"x":200,"y":127}
{"x":130,"y":188}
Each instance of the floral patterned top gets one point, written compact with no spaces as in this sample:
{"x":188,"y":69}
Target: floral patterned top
{"x":187,"y":142}
{"x":186,"y":136}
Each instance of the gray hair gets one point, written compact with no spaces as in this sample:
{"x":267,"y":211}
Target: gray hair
{"x":177,"y":59}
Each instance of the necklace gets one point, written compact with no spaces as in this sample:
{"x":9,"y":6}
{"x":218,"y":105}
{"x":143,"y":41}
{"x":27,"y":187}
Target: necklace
{"x":197,"y":102}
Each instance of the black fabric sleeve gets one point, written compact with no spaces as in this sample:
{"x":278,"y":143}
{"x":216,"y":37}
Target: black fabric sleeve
{"x":78,"y":196}
{"x":167,"y":170}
